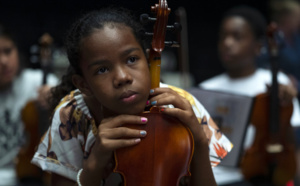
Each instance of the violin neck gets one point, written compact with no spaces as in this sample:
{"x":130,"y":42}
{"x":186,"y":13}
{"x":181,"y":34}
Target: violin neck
{"x":45,"y":74}
{"x":45,"y":61}
{"x":154,"y":63}
{"x":274,"y":102}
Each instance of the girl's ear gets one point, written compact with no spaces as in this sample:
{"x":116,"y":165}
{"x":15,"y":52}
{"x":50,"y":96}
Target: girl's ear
{"x":81,"y":84}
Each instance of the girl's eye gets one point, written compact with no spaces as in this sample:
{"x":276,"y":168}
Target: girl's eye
{"x":131,"y":60}
{"x":102,"y":70}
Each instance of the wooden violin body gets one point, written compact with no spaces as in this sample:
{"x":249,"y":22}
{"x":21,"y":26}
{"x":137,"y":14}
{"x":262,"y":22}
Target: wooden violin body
{"x":24,"y":169}
{"x":161,"y":158}
{"x":271,"y":158}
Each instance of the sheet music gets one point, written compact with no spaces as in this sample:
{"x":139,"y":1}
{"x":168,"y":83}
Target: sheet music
{"x":232,"y":114}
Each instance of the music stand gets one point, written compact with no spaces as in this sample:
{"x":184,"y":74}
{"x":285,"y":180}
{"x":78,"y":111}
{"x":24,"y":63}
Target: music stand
{"x":231,"y":112}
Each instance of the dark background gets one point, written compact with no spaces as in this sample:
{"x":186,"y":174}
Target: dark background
{"x":29,"y":19}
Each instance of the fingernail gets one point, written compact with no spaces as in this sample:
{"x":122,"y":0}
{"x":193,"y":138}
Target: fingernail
{"x":137,"y":140}
{"x":144,"y":120}
{"x":147,"y":103}
{"x":143,"y":133}
{"x":151,"y":91}
{"x":153,"y":102}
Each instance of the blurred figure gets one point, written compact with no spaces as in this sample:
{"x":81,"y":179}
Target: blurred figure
{"x":241,"y":36}
{"x":17,"y":87}
{"x":286,"y":14}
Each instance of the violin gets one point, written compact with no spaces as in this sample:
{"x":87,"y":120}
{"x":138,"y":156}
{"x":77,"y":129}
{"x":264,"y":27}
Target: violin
{"x":36,"y":121}
{"x":165,"y":154}
{"x":271,"y":159}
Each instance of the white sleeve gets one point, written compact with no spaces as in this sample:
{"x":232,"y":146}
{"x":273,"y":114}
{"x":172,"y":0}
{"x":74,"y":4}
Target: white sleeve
{"x":54,"y":154}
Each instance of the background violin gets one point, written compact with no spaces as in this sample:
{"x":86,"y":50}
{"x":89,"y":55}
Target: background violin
{"x":165,"y":154}
{"x":271,"y":159}
{"x":36,"y":122}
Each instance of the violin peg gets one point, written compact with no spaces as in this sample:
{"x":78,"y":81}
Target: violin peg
{"x":143,"y":32}
{"x":148,"y":33}
{"x":172,"y":44}
{"x":144,"y":18}
{"x":175,"y":27}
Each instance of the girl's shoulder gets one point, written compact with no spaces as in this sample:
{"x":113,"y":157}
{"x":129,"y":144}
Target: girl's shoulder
{"x":72,"y":108}
{"x":69,"y":139}
{"x":73,"y":97}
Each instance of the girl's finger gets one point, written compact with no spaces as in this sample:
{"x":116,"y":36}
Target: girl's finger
{"x":120,"y":143}
{"x":157,"y":91}
{"x":123,"y":119}
{"x":187,"y":118}
{"x":176,"y":113}
{"x":167,"y":99}
{"x":122,"y":132}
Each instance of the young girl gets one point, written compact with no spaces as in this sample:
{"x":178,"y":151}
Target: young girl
{"x":111,"y":74}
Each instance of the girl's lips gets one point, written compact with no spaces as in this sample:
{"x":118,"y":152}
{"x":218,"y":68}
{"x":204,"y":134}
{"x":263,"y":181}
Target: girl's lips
{"x":128,"y":96}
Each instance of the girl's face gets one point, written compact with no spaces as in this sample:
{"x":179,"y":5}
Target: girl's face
{"x":237,"y":45}
{"x":115,"y":70}
{"x":9,"y":61}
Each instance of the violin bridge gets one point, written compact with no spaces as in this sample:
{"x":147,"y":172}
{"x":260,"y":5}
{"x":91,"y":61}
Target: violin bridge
{"x":274,"y":148}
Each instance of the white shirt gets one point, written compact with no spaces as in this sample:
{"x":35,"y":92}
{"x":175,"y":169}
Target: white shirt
{"x":12,"y":100}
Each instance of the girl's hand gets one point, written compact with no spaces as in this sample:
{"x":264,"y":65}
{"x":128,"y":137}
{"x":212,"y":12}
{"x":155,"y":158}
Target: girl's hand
{"x":112,"y":135}
{"x":183,"y":110}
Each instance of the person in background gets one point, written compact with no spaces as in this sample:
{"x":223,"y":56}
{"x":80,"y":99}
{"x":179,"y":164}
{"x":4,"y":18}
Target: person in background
{"x":18,"y":86}
{"x":242,"y":34}
{"x":286,"y":14}
{"x":110,"y":71}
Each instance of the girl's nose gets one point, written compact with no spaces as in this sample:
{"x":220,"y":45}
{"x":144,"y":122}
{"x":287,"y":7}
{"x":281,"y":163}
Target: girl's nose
{"x":122,"y":77}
